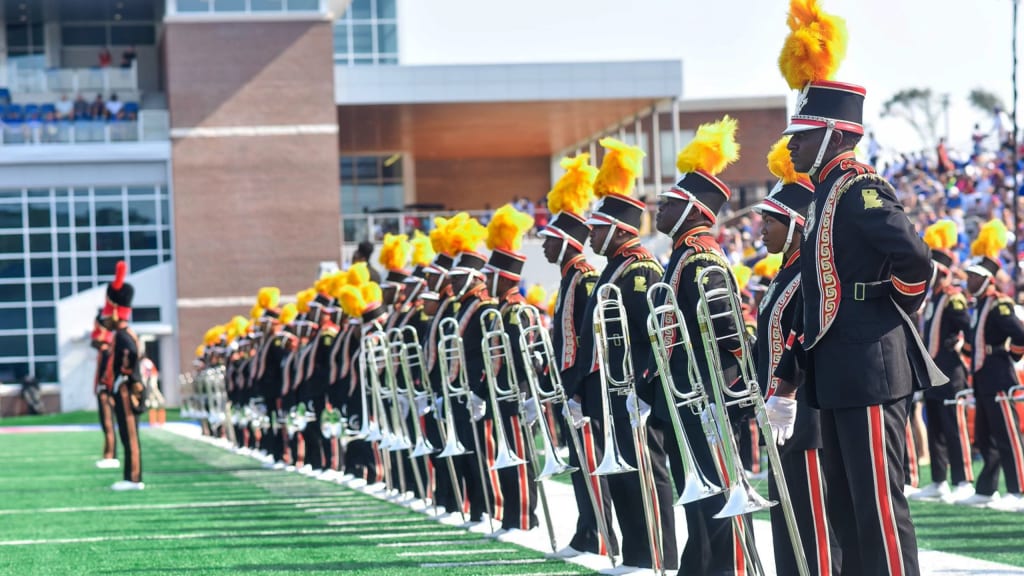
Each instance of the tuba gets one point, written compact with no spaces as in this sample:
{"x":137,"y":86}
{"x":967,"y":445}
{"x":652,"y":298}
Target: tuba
{"x":741,"y":497}
{"x":497,"y":351}
{"x":610,"y":329}
{"x":668,"y":332}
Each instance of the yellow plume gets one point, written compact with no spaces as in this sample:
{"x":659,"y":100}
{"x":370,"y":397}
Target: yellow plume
{"x":372,"y":293}
{"x":422,"y":249}
{"x":464,"y":233}
{"x":268,"y":297}
{"x":712,"y":149}
{"x":769,"y":266}
{"x":551,"y":304}
{"x":212,"y":336}
{"x":815,"y":46}
{"x":506,"y":228}
{"x":439,"y":235}
{"x":742,"y":274}
{"x":574,"y":191}
{"x":288,"y":313}
{"x":942,"y":235}
{"x":992,"y":238}
{"x":238,"y":327}
{"x":256,"y":312}
{"x":200,"y":350}
{"x":352,"y":301}
{"x":303,"y":298}
{"x":335,"y":281}
{"x":358,"y":274}
{"x":536,"y":296}
{"x":394,"y":254}
{"x":780,"y":164}
{"x":621,"y":165}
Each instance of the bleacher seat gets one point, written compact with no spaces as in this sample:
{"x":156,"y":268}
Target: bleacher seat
{"x":5,"y":96}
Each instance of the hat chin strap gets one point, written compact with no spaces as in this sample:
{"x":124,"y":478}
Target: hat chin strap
{"x":494,"y":284}
{"x":608,"y":240}
{"x":829,"y":129}
{"x":682,"y":218}
{"x":984,"y":286}
{"x":561,"y":253}
{"x":789,"y":235}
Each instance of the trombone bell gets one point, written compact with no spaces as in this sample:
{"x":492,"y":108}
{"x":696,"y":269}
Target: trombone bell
{"x":743,"y":499}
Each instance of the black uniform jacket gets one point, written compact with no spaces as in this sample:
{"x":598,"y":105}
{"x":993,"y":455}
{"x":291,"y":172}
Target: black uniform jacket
{"x":578,"y":280}
{"x":471,"y":310}
{"x":997,"y":341}
{"x":944,"y":323}
{"x":863,"y":269}
{"x":124,"y":364}
{"x":632,"y":269}
{"x":511,"y":304}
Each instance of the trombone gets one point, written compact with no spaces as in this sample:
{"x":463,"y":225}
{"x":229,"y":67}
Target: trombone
{"x":498,"y":351}
{"x":372,"y":357}
{"x":396,"y":347}
{"x":667,"y":331}
{"x":610,"y":329}
{"x":741,"y":496}
{"x":451,"y":354}
{"x":411,"y":358}
{"x":537,"y":350}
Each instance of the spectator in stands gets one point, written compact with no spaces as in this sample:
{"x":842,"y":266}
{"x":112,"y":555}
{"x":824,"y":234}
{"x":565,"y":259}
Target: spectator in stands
{"x":80,"y":109}
{"x":98,"y":109}
{"x":64,"y":108}
{"x":114,"y":107}
{"x":874,"y":150}
{"x":105,"y":58}
{"x":362,"y":254}
{"x":128,"y":57}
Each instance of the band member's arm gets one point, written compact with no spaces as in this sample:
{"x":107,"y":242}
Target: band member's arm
{"x":637,"y":279}
{"x":957,"y":313}
{"x":883,"y":225}
{"x":126,"y":355}
{"x":793,"y":359}
{"x":1009,"y":326}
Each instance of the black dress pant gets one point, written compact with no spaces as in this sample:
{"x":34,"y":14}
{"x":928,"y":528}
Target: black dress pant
{"x":997,"y":436}
{"x":948,"y":442}
{"x":128,"y":429}
{"x":862,"y":458}
{"x":105,"y":403}
{"x":804,"y":478}
{"x":443,"y":494}
{"x":587,"y":537}
{"x":518,"y":485}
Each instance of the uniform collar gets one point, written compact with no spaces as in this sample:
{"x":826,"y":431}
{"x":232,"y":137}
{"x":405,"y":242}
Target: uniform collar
{"x":570,"y":263}
{"x":823,"y":174}
{"x":472,"y":293}
{"x":631,"y":243}
{"x":792,"y":259}
{"x":689,"y":234}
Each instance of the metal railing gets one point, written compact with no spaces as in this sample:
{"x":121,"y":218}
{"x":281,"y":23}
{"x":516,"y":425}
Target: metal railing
{"x":244,"y":6}
{"x":73,"y":80}
{"x":152,"y":125}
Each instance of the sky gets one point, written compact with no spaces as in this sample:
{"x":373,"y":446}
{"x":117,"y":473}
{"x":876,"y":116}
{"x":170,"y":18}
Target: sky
{"x":729,"y":47}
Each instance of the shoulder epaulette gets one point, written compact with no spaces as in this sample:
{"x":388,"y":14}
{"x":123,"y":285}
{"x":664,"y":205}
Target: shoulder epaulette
{"x":329,"y":329}
{"x":489,"y":302}
{"x":702,"y":243}
{"x":584,"y":266}
{"x":638,"y":252}
{"x":956,"y":298}
{"x":645,"y":264}
{"x":711,"y":256}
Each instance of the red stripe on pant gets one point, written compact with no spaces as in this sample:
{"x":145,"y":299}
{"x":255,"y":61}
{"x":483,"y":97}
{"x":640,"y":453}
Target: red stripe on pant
{"x":965,"y":440}
{"x":914,"y":479}
{"x":492,"y":475}
{"x":883,"y":500}
{"x":591,"y":456}
{"x":524,"y":492}
{"x":1012,"y":431}
{"x":817,"y":494}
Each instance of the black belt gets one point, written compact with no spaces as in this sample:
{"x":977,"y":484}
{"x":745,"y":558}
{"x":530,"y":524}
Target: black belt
{"x":861,"y":291}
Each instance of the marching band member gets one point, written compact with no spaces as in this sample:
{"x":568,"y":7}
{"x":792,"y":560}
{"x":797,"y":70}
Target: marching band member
{"x":103,"y":386}
{"x":267,"y":300}
{"x":503,"y":274}
{"x":783,"y":215}
{"x":293,"y":388}
{"x":123,"y":371}
{"x":632,"y":268}
{"x":564,"y":237}
{"x":864,"y":271}
{"x":996,"y":343}
{"x":271,"y":378}
{"x":318,"y":370}
{"x":945,"y":321}
{"x":686,"y":213}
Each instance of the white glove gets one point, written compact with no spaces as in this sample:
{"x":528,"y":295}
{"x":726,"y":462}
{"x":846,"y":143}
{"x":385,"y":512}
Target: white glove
{"x":438,"y":405}
{"x":781,"y":414}
{"x":530,"y":410}
{"x":638,"y":410}
{"x":573,"y":411}
{"x":477,"y":407}
{"x":403,"y":406}
{"x":422,"y":405}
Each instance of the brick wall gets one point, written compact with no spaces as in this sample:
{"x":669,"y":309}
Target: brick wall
{"x":473,"y":184}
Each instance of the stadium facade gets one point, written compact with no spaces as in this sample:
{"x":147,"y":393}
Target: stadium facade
{"x":255,"y":139}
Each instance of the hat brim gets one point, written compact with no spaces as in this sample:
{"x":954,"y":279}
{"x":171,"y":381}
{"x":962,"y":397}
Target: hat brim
{"x":796,"y":128}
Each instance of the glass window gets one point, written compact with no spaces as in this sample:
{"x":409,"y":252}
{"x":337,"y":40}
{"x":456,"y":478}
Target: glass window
{"x":12,"y":293}
{"x":142,"y":240}
{"x":143,"y":262}
{"x":143,"y":35}
{"x":387,"y":38}
{"x":14,"y":345}
{"x":61,"y":192}
{"x":165,"y":212}
{"x":109,"y":214}
{"x":147,"y":314}
{"x":392,"y":168}
{"x":193,"y":5}
{"x":42,"y":267}
{"x":347,"y":168}
{"x":46,"y":371}
{"x":80,"y":192}
{"x":107,"y":191}
{"x":167,"y":240}
{"x":167,"y":256}
{"x":66,"y":289}
{"x":10,"y":216}
{"x":82,"y":213}
{"x":361,"y":9}
{"x":11,"y":244}
{"x":44,"y":317}
{"x":83,"y":35}
{"x":10,"y":194}
{"x":64,"y":267}
{"x":45,"y":345}
{"x":267,"y":5}
{"x":83,"y":243}
{"x":310,"y":5}
{"x":84,"y":285}
{"x":39,"y":215}
{"x":12,"y":268}
{"x":134,"y":10}
{"x":386,"y":9}
{"x":141,"y":191}
{"x":229,"y":5}
{"x":63,"y":242}
{"x":109,"y":241}
{"x":362,"y":38}
{"x":341,"y":38}
{"x":367,"y":167}
{"x":12,"y":318}
{"x":84,"y":266}
{"x":38,"y":193}
{"x":106,"y":266}
{"x":13,"y":371}
{"x":42,"y":292}
{"x":40,"y":243}
{"x":387,"y":60}
{"x":63,"y":217}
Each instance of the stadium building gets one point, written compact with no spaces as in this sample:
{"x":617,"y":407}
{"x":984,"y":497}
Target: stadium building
{"x":251,"y":140}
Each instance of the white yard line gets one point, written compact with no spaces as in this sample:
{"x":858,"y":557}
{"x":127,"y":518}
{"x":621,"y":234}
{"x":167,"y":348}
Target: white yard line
{"x":175,"y":506}
{"x":482,"y":563}
{"x":391,"y":535}
{"x":480,"y":551}
{"x":188,"y":536}
{"x":433,"y":543}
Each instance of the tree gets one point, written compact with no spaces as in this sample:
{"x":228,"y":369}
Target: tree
{"x":986,"y":102}
{"x":920,"y":108}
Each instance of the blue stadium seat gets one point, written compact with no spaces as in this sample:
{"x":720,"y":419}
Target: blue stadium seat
{"x":5,"y":96}
{"x":13,"y":113}
{"x":47,"y":109}
{"x":131,"y":107}
{"x":31,"y":111}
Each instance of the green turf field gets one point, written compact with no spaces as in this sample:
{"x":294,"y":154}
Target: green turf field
{"x":207,"y":511}
{"x":78,"y":417}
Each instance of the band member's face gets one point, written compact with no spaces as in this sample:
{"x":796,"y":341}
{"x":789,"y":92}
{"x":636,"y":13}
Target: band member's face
{"x":389,"y":293}
{"x":773,"y":233}
{"x":670,"y":210}
{"x":552,"y":247}
{"x":803,"y":148}
{"x":489,"y":277}
{"x":458,"y":281}
{"x":430,"y":306}
{"x":975,"y":282}
{"x":597,"y":237}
